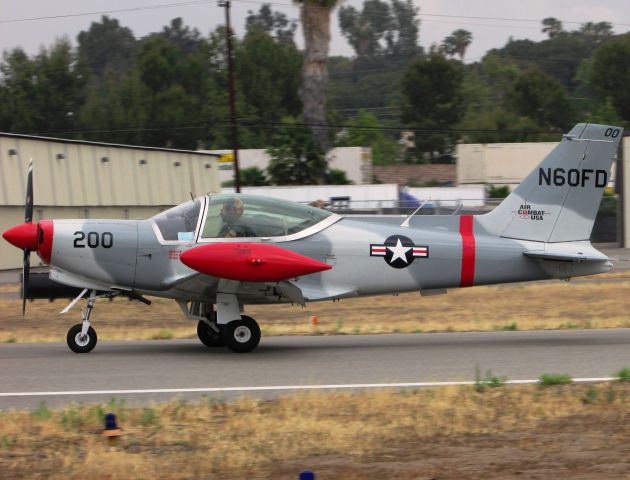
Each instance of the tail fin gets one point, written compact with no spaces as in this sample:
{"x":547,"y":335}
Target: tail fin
{"x":558,"y":201}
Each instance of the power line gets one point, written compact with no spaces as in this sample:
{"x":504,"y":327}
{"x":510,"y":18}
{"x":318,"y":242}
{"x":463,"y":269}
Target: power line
{"x":225,"y":123}
{"x":262,"y":2}
{"x":106,"y":12}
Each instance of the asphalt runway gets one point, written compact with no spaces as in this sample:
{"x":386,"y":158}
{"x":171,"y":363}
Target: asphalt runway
{"x":49,"y":372}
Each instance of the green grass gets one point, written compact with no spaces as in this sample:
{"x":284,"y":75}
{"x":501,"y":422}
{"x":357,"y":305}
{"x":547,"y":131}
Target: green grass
{"x":547,"y":379}
{"x":510,"y":327}
{"x":489,"y":380}
{"x":42,"y":412}
{"x":164,"y":334}
{"x":623,"y":375}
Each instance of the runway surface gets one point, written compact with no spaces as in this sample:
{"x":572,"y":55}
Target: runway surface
{"x":32,"y":373}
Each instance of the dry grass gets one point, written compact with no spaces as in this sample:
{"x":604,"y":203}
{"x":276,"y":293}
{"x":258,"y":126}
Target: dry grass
{"x":542,"y":305}
{"x":9,"y":288}
{"x":250,"y":438}
{"x":487,"y":308}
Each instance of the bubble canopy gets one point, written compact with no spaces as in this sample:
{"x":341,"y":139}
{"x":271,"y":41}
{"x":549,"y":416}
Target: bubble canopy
{"x":237,"y":215}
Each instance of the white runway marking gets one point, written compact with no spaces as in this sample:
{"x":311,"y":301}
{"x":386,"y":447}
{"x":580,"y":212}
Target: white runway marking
{"x":278,"y":387}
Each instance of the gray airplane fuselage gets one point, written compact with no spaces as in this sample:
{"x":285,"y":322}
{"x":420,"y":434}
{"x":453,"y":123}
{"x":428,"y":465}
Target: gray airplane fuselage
{"x":456,"y":251}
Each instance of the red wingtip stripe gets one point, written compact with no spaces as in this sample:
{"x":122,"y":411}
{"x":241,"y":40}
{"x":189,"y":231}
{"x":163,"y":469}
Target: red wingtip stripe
{"x":468,"y":250}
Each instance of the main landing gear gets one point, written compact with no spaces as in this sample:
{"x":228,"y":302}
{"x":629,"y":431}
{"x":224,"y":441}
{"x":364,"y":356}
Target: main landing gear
{"x":240,"y":335}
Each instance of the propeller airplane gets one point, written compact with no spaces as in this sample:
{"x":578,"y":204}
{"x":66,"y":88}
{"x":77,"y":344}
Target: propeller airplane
{"x":217,"y":253}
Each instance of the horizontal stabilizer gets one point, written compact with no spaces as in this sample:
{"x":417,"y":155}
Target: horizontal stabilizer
{"x":560,"y":256}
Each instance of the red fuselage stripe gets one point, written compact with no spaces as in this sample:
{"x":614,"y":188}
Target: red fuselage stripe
{"x":468,"y":250}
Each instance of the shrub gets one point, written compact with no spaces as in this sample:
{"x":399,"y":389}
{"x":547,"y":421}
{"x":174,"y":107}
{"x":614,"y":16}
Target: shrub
{"x":547,"y":379}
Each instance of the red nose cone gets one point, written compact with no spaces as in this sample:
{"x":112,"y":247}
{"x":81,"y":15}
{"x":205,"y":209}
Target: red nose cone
{"x":22,"y":236}
{"x":250,"y":262}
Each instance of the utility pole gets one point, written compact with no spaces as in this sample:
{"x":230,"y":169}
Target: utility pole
{"x":232,"y":92}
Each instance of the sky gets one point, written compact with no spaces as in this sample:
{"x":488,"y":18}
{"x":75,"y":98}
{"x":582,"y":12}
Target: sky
{"x":492,"y":22}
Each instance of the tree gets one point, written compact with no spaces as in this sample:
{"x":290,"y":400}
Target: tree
{"x":402,"y":37}
{"x":42,"y":94}
{"x":315,"y":19}
{"x":273,"y":23}
{"x":541,"y":98}
{"x":552,"y":27}
{"x":610,"y":74}
{"x":364,"y":131}
{"x":457,"y":43}
{"x":364,"y":30}
{"x":187,"y":40}
{"x":296,"y":159}
{"x":106,"y":44}
{"x":432,"y":88}
{"x":253,"y":176}
{"x":268,"y":75}
{"x":18,"y":113}
{"x":174,"y":94}
{"x":597,"y":32}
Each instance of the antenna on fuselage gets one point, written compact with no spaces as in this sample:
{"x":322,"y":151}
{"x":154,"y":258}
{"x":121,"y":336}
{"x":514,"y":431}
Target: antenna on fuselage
{"x":405,"y":223}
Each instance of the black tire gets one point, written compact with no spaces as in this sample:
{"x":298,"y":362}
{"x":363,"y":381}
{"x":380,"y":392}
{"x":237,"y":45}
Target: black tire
{"x":208,"y":336}
{"x":242,"y":335}
{"x":78,"y":345}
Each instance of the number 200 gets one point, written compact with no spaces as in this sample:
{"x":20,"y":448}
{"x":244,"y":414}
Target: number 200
{"x":94,"y":240}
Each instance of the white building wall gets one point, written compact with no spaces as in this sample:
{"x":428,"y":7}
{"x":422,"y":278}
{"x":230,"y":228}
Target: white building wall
{"x":499,"y":163}
{"x":355,"y":161}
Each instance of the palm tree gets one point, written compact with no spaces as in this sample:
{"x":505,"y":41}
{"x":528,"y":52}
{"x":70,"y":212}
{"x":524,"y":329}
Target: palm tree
{"x":457,"y":43}
{"x":552,"y":27}
{"x":315,"y":18}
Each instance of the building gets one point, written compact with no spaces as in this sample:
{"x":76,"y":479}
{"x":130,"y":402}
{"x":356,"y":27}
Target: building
{"x":356,"y":162}
{"x":78,"y":179}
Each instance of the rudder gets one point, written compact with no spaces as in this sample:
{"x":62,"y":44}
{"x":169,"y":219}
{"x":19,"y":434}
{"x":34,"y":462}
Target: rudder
{"x":559,"y":199}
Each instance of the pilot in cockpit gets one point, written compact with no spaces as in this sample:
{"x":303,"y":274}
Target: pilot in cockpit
{"x":231,"y":213}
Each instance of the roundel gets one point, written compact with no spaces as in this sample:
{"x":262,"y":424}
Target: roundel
{"x":398,"y":251}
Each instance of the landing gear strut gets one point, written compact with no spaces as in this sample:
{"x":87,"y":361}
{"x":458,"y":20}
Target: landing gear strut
{"x":81,"y":337}
{"x":210,"y":333}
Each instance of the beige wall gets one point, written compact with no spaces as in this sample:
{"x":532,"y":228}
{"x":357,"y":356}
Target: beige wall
{"x":502,"y":163}
{"x":499,"y":163}
{"x":79,"y":174}
{"x":71,"y":180}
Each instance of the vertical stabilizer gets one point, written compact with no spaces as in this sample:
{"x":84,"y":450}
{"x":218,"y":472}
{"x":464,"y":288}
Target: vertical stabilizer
{"x":558,"y":201}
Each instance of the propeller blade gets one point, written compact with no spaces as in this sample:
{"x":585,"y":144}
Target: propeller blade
{"x":26,"y":268}
{"x":28,"y":209}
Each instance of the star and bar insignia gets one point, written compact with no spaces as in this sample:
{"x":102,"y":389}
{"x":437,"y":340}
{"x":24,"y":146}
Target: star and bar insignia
{"x":398,"y":251}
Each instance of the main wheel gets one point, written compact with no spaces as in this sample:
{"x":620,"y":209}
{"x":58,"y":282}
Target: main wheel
{"x":241,"y":335}
{"x":208,"y":336}
{"x":79,"y":344}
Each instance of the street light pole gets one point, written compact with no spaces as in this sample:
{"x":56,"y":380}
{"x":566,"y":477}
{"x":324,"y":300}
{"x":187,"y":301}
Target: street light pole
{"x":232,"y":94}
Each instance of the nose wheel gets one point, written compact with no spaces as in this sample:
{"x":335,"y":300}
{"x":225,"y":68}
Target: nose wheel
{"x":81,"y":337}
{"x":80,"y":342}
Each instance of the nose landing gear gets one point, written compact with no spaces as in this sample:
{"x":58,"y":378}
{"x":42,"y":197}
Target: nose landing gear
{"x":81,"y":337}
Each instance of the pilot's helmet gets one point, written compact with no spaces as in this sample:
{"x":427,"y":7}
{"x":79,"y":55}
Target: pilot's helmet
{"x":232,"y":209}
